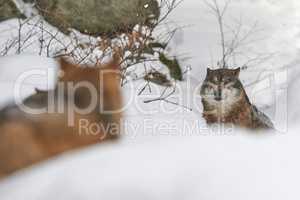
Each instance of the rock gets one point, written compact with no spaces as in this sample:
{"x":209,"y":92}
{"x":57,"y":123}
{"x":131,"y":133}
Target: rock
{"x":8,"y":10}
{"x":98,"y":17}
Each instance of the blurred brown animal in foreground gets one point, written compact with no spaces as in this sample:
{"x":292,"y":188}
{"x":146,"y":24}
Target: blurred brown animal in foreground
{"x":75,"y":117}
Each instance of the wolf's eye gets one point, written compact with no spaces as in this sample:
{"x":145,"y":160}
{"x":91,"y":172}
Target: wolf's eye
{"x":228,"y":80}
{"x":215,"y":79}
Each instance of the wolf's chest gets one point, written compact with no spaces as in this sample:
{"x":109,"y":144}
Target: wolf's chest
{"x":227,"y":112}
{"x":220,"y":109}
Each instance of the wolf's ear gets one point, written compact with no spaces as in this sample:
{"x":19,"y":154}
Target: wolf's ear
{"x":66,"y":67}
{"x":237,"y":72}
{"x":113,"y":64}
{"x":208,"y":72}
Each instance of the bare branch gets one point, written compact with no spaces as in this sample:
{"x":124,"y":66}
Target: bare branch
{"x":219,"y":12}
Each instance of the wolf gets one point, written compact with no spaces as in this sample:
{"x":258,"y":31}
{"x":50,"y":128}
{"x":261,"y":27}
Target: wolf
{"x":225,"y":101}
{"x":27,"y":138}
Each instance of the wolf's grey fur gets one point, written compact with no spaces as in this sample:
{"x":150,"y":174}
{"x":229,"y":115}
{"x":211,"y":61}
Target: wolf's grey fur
{"x":225,"y":100}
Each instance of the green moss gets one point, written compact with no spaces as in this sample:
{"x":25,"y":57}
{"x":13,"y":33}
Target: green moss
{"x":173,"y":65}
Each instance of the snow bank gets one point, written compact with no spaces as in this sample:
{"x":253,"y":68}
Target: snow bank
{"x":202,"y":167}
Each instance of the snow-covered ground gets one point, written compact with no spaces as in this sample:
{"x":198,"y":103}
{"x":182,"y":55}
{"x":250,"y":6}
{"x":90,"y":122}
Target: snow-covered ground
{"x":167,"y":152}
{"x":204,"y":167}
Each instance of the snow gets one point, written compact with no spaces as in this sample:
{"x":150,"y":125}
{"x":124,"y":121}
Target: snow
{"x":166,"y":151}
{"x":200,"y":167}
{"x":27,"y":72}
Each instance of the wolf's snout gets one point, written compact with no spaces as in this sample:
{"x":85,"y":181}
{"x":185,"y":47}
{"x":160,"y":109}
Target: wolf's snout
{"x":218,"y":95}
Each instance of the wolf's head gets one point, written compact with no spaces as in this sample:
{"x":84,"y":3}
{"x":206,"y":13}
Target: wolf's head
{"x":222,"y":86}
{"x":100,"y":84}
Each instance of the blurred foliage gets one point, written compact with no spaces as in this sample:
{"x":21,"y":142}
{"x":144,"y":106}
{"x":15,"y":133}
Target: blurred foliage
{"x":98,"y":17}
{"x":157,"y":45}
{"x":153,"y":47}
{"x":158,"y":78}
{"x":173,"y":65}
{"x":8,"y":10}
